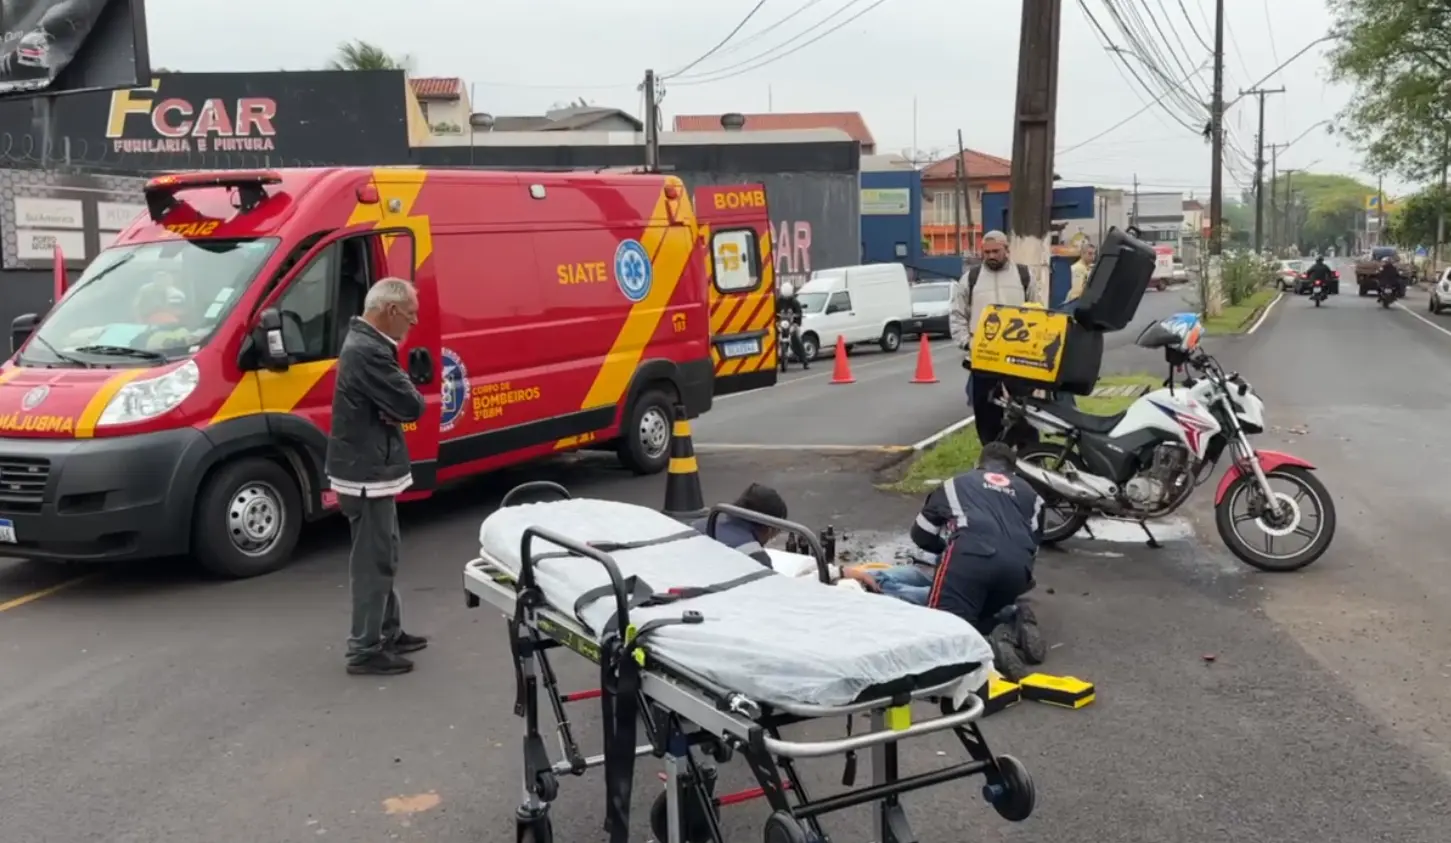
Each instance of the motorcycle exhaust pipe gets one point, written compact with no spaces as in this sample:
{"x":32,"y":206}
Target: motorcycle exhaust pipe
{"x":1052,"y":482}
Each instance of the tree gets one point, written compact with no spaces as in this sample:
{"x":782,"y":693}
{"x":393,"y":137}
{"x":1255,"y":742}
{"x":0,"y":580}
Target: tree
{"x":1322,"y":211}
{"x":361,"y":55}
{"x":1413,"y":222}
{"x":1397,"y":54}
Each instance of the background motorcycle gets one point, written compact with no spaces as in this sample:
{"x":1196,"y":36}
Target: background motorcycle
{"x":1317,"y":294}
{"x":1145,"y":462}
{"x":1386,"y":296}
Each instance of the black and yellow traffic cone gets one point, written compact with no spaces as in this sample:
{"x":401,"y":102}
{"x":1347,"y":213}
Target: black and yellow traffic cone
{"x":683,"y":498}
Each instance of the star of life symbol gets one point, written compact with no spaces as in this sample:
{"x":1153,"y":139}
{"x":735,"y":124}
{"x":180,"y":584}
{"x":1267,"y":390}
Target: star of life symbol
{"x":632,"y":270}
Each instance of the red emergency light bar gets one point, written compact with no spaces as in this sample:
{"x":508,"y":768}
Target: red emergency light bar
{"x":161,"y":191}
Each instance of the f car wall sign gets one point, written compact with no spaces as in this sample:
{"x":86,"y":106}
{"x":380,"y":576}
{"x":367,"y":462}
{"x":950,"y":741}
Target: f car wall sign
{"x":143,"y":120}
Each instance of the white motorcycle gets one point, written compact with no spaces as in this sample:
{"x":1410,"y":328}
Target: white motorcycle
{"x":1143,"y":463}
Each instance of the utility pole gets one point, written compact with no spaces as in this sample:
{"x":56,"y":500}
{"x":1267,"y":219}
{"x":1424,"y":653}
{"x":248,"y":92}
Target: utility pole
{"x":652,"y":124}
{"x":957,"y":207}
{"x":1033,"y":137}
{"x":1216,"y":141}
{"x":1441,"y":200}
{"x":966,"y":186}
{"x":1380,"y":211}
{"x":1274,"y":199}
{"x":1260,"y":93}
{"x":1134,"y":213}
{"x":1290,"y":233}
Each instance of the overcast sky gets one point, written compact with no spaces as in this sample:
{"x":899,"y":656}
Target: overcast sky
{"x":957,"y":61}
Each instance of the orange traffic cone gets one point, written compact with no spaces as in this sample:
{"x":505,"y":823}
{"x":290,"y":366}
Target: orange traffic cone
{"x":925,"y":372}
{"x":841,"y":372}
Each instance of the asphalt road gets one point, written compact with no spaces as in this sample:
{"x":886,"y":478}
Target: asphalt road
{"x":883,"y":408}
{"x":146,"y":705}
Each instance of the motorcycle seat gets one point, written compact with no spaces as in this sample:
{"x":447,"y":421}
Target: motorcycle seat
{"x":1079,"y":419}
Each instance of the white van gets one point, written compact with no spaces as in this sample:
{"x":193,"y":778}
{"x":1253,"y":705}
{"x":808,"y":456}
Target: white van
{"x":871,"y":303}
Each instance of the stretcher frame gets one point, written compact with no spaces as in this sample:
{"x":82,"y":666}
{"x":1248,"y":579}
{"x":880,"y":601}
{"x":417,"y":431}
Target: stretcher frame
{"x":682,"y":711}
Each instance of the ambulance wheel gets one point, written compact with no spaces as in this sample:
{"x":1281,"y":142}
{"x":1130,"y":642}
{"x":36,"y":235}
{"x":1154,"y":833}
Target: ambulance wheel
{"x":247,"y":520}
{"x":644,"y":446}
{"x":694,"y":824}
{"x":891,"y":338}
{"x":1011,"y":790}
{"x":781,"y":827}
{"x":534,"y":830}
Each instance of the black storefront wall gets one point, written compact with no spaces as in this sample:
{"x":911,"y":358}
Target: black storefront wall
{"x":223,"y":120}
{"x":814,"y":189}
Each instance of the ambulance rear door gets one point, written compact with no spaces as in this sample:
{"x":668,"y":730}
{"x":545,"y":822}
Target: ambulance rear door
{"x":736,"y":231}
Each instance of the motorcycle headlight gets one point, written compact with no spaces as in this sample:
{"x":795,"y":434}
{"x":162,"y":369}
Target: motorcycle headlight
{"x":140,"y":400}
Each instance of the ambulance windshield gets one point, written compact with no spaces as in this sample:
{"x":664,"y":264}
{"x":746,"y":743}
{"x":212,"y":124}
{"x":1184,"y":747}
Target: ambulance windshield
{"x":148,"y":303}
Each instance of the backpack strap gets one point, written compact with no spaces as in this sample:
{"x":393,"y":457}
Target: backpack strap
{"x":972,"y":275}
{"x":1027,"y":280}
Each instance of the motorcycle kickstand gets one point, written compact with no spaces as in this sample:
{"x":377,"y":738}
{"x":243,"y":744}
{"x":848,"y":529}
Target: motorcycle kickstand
{"x":1153,"y":543}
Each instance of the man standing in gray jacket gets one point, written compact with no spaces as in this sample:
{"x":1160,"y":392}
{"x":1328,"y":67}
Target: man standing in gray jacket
{"x":368,"y":467}
{"x":997,"y":281}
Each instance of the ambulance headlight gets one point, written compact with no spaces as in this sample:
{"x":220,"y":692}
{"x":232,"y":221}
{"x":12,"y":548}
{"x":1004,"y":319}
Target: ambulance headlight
{"x":140,"y":400}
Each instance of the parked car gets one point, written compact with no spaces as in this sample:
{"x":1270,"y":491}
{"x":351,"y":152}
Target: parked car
{"x":931,"y":303}
{"x":1302,"y":284}
{"x":1289,"y":272}
{"x":1441,"y":292}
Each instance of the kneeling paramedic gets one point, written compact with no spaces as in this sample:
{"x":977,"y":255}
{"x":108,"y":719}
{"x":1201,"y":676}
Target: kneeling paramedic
{"x":750,"y":539}
{"x":983,"y":526}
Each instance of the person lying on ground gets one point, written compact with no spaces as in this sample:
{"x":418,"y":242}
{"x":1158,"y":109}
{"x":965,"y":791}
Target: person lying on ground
{"x":747,"y":537}
{"x":983,"y":527}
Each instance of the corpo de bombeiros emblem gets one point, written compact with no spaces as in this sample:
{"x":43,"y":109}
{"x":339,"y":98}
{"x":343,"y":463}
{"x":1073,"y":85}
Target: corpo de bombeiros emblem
{"x":33,"y":398}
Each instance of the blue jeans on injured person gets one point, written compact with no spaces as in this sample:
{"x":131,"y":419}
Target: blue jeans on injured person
{"x":911,"y":583}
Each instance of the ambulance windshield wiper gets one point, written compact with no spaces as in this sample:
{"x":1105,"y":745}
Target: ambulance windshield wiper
{"x":61,"y":355}
{"x":122,"y":351}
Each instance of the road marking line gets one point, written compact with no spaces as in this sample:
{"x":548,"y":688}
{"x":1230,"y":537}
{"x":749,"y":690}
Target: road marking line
{"x":701,"y":447}
{"x":1265,"y":313}
{"x":868,"y":364}
{"x":44,"y":592}
{"x":1400,"y":306}
{"x":943,"y":434}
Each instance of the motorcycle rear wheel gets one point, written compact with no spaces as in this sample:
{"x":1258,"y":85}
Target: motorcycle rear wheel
{"x":1070,"y":518}
{"x":1245,"y":485}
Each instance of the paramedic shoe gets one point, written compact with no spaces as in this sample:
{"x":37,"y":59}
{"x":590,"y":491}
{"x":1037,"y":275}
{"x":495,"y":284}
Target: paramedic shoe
{"x":1030,"y":638}
{"x":406,"y":643}
{"x":1006,"y":658}
{"x":381,"y":664}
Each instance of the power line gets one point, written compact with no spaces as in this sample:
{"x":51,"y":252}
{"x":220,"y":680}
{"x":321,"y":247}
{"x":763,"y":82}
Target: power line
{"x":1284,"y":64}
{"x":1129,"y":118}
{"x":1122,"y":65}
{"x":770,"y":52}
{"x":729,"y":35}
{"x":1192,"y":28}
{"x":739,"y":45}
{"x":1270,"y":30}
{"x":728,"y":73}
{"x":1146,"y":49}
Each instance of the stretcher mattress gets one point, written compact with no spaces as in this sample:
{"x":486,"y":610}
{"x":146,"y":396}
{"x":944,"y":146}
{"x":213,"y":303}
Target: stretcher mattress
{"x":777,"y":639}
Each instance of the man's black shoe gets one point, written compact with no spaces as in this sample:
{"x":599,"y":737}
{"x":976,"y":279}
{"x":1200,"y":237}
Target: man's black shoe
{"x":381,"y":664}
{"x":406,"y":643}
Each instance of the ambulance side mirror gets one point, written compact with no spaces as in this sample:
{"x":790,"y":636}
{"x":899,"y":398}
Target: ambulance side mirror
{"x":21,"y":328}
{"x":267,"y":340}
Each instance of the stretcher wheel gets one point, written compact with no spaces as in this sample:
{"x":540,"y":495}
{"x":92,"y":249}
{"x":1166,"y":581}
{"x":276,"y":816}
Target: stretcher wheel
{"x":694,"y":824}
{"x":781,"y":827}
{"x":1011,"y":791}
{"x":536,"y":830}
{"x":546,"y":786}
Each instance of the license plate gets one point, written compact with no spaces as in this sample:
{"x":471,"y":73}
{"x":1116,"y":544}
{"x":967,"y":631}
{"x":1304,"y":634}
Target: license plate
{"x":740,"y":348}
{"x":7,"y":532}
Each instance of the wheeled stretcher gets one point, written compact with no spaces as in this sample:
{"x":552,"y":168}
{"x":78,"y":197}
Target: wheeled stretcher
{"x":714,"y":655}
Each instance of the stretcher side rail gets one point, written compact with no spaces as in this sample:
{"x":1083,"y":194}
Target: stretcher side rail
{"x":720,"y":711}
{"x":800,"y":531}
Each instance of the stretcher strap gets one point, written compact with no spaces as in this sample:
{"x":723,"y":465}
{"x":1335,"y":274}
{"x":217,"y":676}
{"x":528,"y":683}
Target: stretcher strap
{"x":616,"y":547}
{"x":644,"y":597}
{"x":620,"y":704}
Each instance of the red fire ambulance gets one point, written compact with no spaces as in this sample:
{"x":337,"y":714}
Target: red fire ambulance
{"x":176,"y":400}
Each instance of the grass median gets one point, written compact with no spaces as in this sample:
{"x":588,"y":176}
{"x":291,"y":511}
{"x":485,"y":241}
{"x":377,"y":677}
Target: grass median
{"x":958,"y":452}
{"x":1235,"y":319}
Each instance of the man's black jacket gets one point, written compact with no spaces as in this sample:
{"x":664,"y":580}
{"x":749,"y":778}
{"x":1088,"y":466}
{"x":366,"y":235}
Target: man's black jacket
{"x":789,"y":304}
{"x":366,"y":454}
{"x":1318,"y":272}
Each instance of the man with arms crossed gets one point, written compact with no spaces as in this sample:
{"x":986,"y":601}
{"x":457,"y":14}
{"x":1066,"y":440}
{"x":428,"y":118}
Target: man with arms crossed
{"x":368,"y":467}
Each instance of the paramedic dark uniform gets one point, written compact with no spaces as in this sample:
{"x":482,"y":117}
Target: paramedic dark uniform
{"x":736,"y":535}
{"x":991,"y":520}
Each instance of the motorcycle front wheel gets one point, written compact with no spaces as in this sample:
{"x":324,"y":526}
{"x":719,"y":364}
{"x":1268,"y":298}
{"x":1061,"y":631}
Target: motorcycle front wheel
{"x":1305,"y":511}
{"x":1061,"y":519}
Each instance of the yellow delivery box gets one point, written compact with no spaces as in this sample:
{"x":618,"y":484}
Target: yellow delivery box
{"x":1024,"y":342}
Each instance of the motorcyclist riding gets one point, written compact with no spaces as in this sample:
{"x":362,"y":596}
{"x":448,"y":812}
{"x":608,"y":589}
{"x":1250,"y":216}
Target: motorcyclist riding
{"x":1321,"y":273}
{"x":787,"y":305}
{"x":1389,"y":277}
